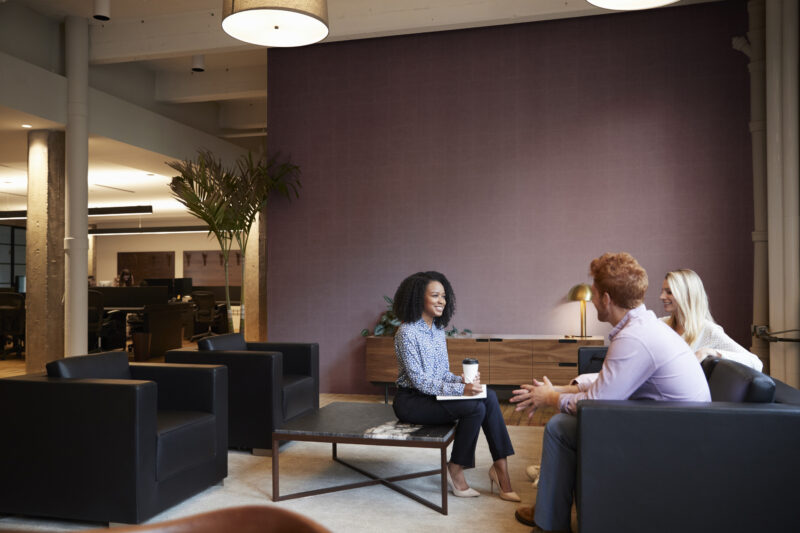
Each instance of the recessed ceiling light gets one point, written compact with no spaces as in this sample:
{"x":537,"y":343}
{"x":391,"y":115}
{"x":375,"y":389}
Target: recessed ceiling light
{"x":27,"y":126}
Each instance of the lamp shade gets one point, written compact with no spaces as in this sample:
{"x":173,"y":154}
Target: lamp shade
{"x":580,"y":292}
{"x":279,"y":23}
{"x":630,"y":5}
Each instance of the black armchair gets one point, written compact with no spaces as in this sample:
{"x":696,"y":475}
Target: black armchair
{"x":104,"y":441}
{"x":270,"y":383}
{"x":728,"y":465}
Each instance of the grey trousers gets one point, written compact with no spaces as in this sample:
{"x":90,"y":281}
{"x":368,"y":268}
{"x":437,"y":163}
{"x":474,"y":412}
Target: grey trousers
{"x":557,"y":474}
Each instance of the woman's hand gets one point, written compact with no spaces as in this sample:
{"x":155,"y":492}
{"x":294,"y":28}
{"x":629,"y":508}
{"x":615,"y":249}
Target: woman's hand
{"x":471,"y":389}
{"x":702,"y":353}
{"x":477,"y":378}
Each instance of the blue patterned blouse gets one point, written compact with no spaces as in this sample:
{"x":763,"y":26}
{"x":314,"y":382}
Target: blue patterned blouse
{"x":422,"y":360}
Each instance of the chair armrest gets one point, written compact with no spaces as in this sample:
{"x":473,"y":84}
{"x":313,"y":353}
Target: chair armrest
{"x":705,"y":461}
{"x":187,"y":387}
{"x":74,"y":445}
{"x":298,"y":357}
{"x":786,"y":393}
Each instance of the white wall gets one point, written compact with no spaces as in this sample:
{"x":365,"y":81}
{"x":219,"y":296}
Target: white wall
{"x":108,"y":246}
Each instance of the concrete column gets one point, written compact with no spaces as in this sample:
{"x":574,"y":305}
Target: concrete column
{"x":791,"y":187}
{"x":76,"y":243}
{"x":754,"y":49}
{"x":254,"y":287}
{"x":44,"y":254}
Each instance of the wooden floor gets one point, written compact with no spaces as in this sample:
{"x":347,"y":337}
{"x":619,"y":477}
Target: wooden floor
{"x":16,"y":367}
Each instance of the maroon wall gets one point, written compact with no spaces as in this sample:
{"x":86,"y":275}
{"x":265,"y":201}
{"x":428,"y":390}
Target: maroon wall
{"x":508,"y":158}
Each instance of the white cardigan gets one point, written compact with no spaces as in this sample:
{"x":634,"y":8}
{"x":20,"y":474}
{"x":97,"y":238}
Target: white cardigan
{"x":714,"y":337}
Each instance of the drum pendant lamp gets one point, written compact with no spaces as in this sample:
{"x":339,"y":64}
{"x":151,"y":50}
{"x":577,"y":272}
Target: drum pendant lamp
{"x":278,"y":23}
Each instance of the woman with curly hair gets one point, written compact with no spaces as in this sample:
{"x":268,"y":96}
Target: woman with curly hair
{"x":425,"y":302}
{"x":685,"y":299}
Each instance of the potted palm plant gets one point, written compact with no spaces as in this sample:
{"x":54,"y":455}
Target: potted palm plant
{"x":229,"y":200}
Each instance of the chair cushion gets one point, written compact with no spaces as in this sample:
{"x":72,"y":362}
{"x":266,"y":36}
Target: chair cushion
{"x":231,"y":341}
{"x":735,"y":382}
{"x":185,"y":439}
{"x":298,"y":395}
{"x":108,"y":365}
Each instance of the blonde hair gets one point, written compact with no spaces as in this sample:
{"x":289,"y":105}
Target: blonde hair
{"x":691,"y":303}
{"x":621,"y":276}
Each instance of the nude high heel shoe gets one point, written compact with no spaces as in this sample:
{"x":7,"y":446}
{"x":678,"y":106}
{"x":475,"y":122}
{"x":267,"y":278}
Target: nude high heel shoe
{"x":508,"y":496}
{"x":466,"y":493}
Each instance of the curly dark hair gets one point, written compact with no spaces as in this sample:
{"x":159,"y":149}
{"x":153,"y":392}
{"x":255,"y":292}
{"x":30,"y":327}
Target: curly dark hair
{"x":409,"y":299}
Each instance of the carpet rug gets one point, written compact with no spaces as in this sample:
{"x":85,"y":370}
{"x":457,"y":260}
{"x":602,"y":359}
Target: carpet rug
{"x":308,"y":466}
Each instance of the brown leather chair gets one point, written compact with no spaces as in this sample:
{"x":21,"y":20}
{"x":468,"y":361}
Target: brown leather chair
{"x":250,"y":519}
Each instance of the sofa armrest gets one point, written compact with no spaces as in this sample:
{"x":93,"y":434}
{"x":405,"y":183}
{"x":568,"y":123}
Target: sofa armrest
{"x":671,"y":466}
{"x":72,"y":446}
{"x":195,"y":387}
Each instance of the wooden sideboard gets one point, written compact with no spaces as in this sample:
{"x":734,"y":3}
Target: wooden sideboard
{"x":504,"y":359}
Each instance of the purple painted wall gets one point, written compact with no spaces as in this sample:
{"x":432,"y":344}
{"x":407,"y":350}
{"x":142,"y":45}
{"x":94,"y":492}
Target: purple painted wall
{"x":508,"y":158}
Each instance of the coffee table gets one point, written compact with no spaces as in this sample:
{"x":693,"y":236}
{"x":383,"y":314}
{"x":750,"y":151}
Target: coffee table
{"x":369,"y":424}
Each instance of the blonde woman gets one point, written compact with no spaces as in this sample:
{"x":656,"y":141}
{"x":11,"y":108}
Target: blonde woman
{"x":685,"y":300}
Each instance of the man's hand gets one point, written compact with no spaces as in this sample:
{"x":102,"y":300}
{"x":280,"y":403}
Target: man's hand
{"x":531,"y":397}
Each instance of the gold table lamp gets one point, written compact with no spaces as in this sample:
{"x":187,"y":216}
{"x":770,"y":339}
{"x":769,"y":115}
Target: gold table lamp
{"x":581,"y":293}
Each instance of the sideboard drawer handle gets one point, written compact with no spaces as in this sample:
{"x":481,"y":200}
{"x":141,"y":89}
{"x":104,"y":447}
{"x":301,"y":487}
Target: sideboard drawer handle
{"x":570,"y":341}
{"x":567,"y":364}
{"x":481,"y":340}
{"x":495,"y":340}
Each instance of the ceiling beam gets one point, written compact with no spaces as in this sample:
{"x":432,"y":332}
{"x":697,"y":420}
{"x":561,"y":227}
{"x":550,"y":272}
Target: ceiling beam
{"x":239,"y":115}
{"x":209,"y":86}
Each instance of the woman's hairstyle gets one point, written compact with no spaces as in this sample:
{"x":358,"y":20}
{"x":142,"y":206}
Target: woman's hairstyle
{"x":409,"y":299}
{"x":691,"y":303}
{"x":621,"y":276}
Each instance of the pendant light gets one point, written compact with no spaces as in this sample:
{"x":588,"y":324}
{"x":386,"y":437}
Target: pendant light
{"x":279,"y":23}
{"x":630,"y":5}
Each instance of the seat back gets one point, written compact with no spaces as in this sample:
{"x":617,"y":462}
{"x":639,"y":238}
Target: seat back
{"x":590,"y":359}
{"x":205,"y":304}
{"x":230,"y":341}
{"x":106,"y":365}
{"x":734,"y":382}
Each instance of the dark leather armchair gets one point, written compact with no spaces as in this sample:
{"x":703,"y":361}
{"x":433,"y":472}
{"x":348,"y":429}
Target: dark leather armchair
{"x":270,"y":383}
{"x":104,"y":441}
{"x":728,"y":465}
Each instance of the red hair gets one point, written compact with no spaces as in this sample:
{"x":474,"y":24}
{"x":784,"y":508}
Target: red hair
{"x":621,"y":276}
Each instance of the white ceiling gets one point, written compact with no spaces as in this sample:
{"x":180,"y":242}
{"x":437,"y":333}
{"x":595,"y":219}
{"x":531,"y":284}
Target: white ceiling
{"x":161,"y":36}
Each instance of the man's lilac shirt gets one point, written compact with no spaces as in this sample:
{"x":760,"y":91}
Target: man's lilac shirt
{"x":646,"y":360}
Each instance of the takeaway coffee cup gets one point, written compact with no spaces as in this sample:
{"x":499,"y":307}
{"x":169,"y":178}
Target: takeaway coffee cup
{"x":470,"y":367}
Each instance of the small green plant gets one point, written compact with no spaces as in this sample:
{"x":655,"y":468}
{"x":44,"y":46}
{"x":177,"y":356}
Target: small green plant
{"x":387,"y":323}
{"x":453,"y":332}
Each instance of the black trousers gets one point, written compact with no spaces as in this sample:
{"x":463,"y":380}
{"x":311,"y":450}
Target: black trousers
{"x":414,"y":407}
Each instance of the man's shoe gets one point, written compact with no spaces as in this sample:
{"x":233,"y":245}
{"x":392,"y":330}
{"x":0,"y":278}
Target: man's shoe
{"x":524,"y":514}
